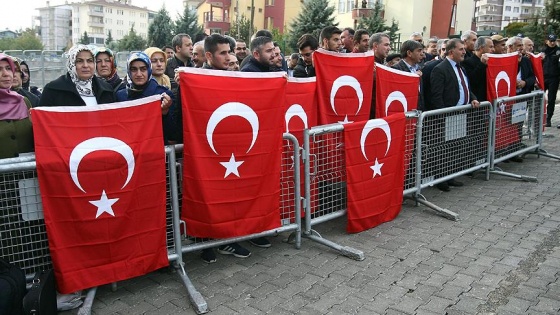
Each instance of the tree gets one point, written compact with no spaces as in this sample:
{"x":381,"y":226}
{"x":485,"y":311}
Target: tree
{"x":536,"y":31}
{"x":132,"y":41}
{"x":514,"y":28}
{"x":241,"y":29}
{"x":109,"y":39}
{"x":187,"y":23}
{"x":27,"y":40}
{"x":160,"y":32}
{"x":375,"y":22}
{"x":85,"y":39}
{"x":314,"y":16}
{"x":281,"y":40}
{"x":392,"y":31}
{"x":552,"y":16}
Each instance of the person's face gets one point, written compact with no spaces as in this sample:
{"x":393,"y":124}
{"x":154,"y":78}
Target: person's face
{"x":17,"y":80}
{"x":416,"y":55}
{"x":233,"y":63}
{"x":169,"y":52}
{"x":85,"y":66}
{"x":443,"y":53}
{"x":500,"y":47}
{"x":307,"y":55}
{"x":394,"y":61}
{"x":220,"y":58}
{"x":198,"y":56}
{"x":382,"y":49}
{"x":267,"y":55}
{"x":139,"y":72}
{"x":158,"y":64}
{"x":347,"y":40}
{"x":278,"y":60}
{"x":489,"y":48}
{"x":333,"y":43}
{"x":25,"y":71}
{"x":432,"y":49}
{"x":186,"y":48}
{"x":469,"y":43}
{"x":240,"y":50}
{"x":528,"y":46}
{"x":550,"y":43}
{"x":104,"y":65}
{"x":363,"y":44}
{"x":6,"y":75}
{"x":517,"y":46}
{"x":458,"y":53}
{"x":418,"y":38}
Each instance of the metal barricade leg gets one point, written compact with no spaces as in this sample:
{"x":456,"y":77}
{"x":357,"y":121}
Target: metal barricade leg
{"x":85,"y":309}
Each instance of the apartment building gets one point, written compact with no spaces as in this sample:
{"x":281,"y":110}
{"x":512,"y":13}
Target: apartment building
{"x":64,"y":25}
{"x":494,"y":15}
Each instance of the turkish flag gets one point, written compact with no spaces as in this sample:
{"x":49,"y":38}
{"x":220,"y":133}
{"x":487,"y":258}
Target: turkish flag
{"x":374,"y":171}
{"x":501,"y":80}
{"x":396,"y":91}
{"x":344,"y":86}
{"x":233,"y":145}
{"x":300,"y":113}
{"x":536,"y":62}
{"x":101,"y":172}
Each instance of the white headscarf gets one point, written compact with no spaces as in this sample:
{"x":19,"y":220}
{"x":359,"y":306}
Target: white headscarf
{"x":84,"y":87}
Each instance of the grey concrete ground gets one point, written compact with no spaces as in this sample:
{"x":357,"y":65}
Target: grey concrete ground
{"x":502,"y":257}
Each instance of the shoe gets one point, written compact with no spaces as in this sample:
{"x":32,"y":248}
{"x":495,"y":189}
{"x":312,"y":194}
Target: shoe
{"x":208,"y":256}
{"x":443,"y":186}
{"x":235,"y":250}
{"x":260,"y":242}
{"x":548,"y":124}
{"x":558,"y":126}
{"x":455,"y":183}
{"x":516,"y":159}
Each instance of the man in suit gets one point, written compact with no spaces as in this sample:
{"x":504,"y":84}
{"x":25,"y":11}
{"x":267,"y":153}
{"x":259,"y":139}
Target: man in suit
{"x":475,"y":66}
{"x":429,"y":67}
{"x":450,"y":87}
{"x":412,"y":52}
{"x":525,"y":77}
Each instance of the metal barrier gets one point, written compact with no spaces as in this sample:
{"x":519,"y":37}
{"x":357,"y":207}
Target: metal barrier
{"x":453,"y":141}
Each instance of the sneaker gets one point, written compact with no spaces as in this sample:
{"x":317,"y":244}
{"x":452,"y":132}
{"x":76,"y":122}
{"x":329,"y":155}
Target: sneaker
{"x":208,"y":256}
{"x":260,"y":242}
{"x":235,"y":250}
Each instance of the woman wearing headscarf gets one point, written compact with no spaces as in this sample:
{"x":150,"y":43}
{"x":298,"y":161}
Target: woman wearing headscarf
{"x":26,"y":80}
{"x":17,"y":85}
{"x":140,"y":84}
{"x":16,"y":134}
{"x":159,"y":64}
{"x":106,"y":68}
{"x":79,"y":86}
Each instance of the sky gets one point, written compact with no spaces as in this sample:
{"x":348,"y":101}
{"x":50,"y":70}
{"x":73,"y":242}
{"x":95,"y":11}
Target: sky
{"x":23,"y":18}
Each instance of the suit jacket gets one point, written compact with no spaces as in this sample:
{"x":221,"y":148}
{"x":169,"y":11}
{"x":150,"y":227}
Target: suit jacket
{"x":403,"y":67}
{"x":445,"y":87}
{"x":527,"y":75}
{"x":426,"y":75}
{"x":476,"y":72}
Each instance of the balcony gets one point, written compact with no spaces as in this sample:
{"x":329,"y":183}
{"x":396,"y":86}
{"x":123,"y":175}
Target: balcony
{"x":95,"y":13}
{"x":95,"y":24}
{"x":212,"y":21}
{"x":364,"y":12}
{"x":219,"y":4}
{"x":494,"y":2}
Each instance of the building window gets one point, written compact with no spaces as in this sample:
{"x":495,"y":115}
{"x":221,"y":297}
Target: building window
{"x":516,"y":10}
{"x":525,"y":10}
{"x":270,"y":22}
{"x":342,"y":6}
{"x":120,"y":12}
{"x":269,"y":2}
{"x":132,"y":13}
{"x":508,"y":8}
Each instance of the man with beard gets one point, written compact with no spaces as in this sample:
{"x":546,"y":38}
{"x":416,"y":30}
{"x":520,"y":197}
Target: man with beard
{"x":307,"y":44}
{"x":330,"y":38}
{"x":240,"y":50}
{"x":198,"y":57}
{"x":361,"y":41}
{"x":263,"y":55}
{"x":412,"y":52}
{"x":469,"y":38}
{"x":475,"y":66}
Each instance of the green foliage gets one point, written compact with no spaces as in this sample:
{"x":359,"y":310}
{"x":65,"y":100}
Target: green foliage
{"x":314,"y":16}
{"x":132,"y":41}
{"x":160,"y":32}
{"x":109,"y":39}
{"x":187,"y":23}
{"x":393,"y":32}
{"x":375,"y":22}
{"x":241,"y":29}
{"x":536,"y":31}
{"x":514,"y":28}
{"x":552,"y":16}
{"x":85,"y":39}
{"x":281,"y":40}
{"x":27,"y":40}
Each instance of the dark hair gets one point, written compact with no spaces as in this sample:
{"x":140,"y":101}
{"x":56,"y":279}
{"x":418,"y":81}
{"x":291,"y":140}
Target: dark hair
{"x":409,"y":45}
{"x":167,"y":46}
{"x":452,"y":44}
{"x":200,"y":36}
{"x":350,"y":30}
{"x":376,"y":39}
{"x":211,"y":42}
{"x":328,"y":32}
{"x":178,"y":40}
{"x":307,"y":40}
{"x":392,"y":56}
{"x":259,"y":42}
{"x":358,"y":35}
{"x":231,"y":42}
{"x":264,"y":32}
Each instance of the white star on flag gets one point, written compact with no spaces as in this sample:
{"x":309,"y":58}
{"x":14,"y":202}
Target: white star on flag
{"x":376,"y":168}
{"x":345,"y":121}
{"x":104,"y":205}
{"x":231,"y":166}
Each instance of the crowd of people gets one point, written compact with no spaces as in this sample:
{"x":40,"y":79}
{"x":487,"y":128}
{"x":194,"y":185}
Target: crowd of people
{"x":452,"y":71}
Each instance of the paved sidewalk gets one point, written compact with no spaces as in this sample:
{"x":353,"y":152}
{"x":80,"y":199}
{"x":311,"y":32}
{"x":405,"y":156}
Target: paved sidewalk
{"x":502,"y":257}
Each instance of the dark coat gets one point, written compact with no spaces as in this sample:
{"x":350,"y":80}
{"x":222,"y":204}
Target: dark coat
{"x":476,"y":72}
{"x":527,"y":75}
{"x":551,"y":68}
{"x":444,"y":87}
{"x":426,"y":84}
{"x":34,"y":99}
{"x":401,"y":65}
{"x":62,"y":92}
{"x":302,"y":70}
{"x":253,"y":65}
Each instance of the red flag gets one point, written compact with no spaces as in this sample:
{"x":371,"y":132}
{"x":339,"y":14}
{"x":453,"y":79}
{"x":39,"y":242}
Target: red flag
{"x":536,"y":62}
{"x":374,"y":170}
{"x":233,"y":143}
{"x":300,"y":113}
{"x":501,"y":80}
{"x":344,"y":86}
{"x":101,"y":172}
{"x":396,"y":91}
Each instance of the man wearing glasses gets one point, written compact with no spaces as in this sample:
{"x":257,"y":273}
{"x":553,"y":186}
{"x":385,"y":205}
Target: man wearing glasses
{"x":307,"y":44}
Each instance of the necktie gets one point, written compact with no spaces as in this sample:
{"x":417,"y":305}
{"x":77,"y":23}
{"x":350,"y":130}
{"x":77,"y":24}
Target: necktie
{"x":463,"y":83}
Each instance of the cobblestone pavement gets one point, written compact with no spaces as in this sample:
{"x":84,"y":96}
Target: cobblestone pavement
{"x":501,"y":257}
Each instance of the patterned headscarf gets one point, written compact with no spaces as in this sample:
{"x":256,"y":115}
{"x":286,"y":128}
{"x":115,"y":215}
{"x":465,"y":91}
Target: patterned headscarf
{"x":84,"y":87}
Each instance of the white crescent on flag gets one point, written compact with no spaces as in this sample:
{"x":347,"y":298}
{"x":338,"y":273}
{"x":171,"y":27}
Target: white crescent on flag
{"x":295,"y":110}
{"x":502,"y":75}
{"x":232,"y":109}
{"x":396,"y":96}
{"x":368,"y":127}
{"x":350,"y":81}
